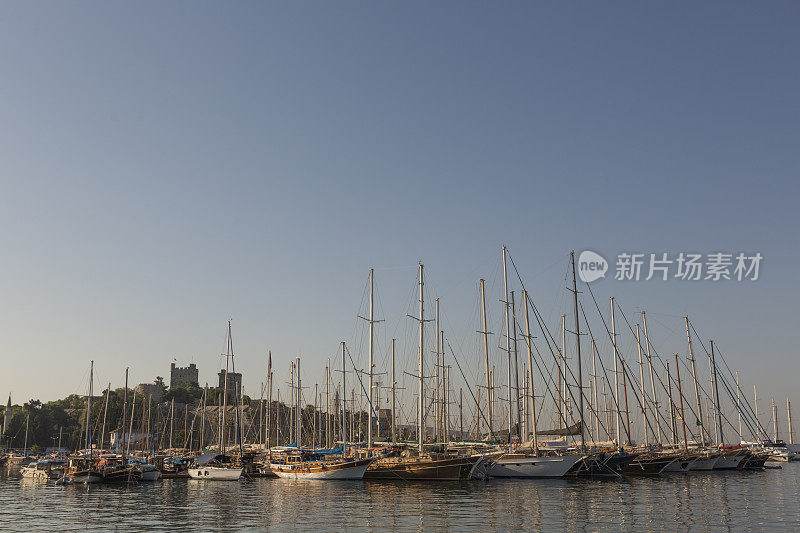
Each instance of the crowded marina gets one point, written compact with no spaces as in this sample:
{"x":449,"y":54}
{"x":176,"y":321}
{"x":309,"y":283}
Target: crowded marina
{"x":604,"y":405}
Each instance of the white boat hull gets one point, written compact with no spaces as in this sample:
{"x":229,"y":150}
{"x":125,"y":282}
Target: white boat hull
{"x":290,"y":472}
{"x":215,"y":473}
{"x":680,"y":465}
{"x":728,"y":462}
{"x":532,"y":467}
{"x":704,"y":463}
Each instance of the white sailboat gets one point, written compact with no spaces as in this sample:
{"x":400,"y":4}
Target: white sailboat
{"x":213,"y":466}
{"x":529,"y":466}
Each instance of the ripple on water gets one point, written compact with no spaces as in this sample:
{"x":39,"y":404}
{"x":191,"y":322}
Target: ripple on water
{"x":702,"y":501}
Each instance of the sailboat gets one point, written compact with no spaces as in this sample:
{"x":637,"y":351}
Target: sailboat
{"x":218,"y":466}
{"x":82,"y":469}
{"x":295,"y":463}
{"x":419,"y":465}
{"x":534,"y":464}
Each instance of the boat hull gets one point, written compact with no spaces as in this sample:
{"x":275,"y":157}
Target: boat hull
{"x":704,"y":463}
{"x":451,"y":469}
{"x":682,"y":464}
{"x":344,"y":470}
{"x":150,"y":474}
{"x":729,"y":462}
{"x":650,"y":465}
{"x":86,"y":477}
{"x":532,"y":467}
{"x":214,"y":473}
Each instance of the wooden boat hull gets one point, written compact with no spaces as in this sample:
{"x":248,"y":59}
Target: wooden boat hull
{"x":650,"y":465}
{"x":322,"y":470}
{"x":215,"y":473}
{"x":123,"y":475}
{"x":86,"y":476}
{"x":532,"y":467}
{"x":451,"y":469}
{"x":755,"y":461}
{"x":602,"y":465}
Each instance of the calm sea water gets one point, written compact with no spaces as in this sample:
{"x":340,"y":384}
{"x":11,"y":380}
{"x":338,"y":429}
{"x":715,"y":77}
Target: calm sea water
{"x":713,"y":501}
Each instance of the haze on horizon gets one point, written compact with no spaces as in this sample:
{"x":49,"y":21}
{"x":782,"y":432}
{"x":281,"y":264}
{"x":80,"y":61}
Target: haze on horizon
{"x":169,"y":166}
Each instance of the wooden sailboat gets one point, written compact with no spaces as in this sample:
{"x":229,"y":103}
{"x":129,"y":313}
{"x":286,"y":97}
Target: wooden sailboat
{"x":82,"y":469}
{"x":301,"y":464}
{"x":296,"y":463}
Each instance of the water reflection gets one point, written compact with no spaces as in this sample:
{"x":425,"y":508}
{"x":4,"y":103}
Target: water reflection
{"x":715,"y":500}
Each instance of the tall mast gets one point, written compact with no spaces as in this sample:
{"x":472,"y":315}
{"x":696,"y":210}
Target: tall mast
{"x":269,"y":405}
{"x":739,"y":406}
{"x":299,"y":411}
{"x":680,"y":395}
{"x":261,"y":417}
{"x":530,"y":373}
{"x":718,"y":407}
{"x":578,"y":345}
{"x":314,"y":423}
{"x":292,"y":408}
{"x":89,"y":410}
{"x":438,"y":378}
{"x":486,"y":356}
{"x":596,"y":403}
{"x":446,"y":372}
{"x":758,"y":422}
{"x":672,"y":408}
{"x":25,"y":443}
{"x":654,"y":396}
{"x":394,"y":404}
{"x":185,"y":422}
{"x":222,"y":434}
{"x":171,"y":423}
{"x":105,"y":414}
{"x":562,"y":375}
{"x":508,"y":343}
{"x":124,"y":409}
{"x":774,"y":422}
{"x":625,"y":396}
{"x":478,"y":413}
{"x":237,"y":389}
{"x":461,"y":413}
{"x":328,"y":405}
{"x":696,"y":389}
{"x":202,"y":416}
{"x":616,"y":381}
{"x":516,"y":366}
{"x":789,"y":415}
{"x":344,"y":403}
{"x":127,"y":445}
{"x":421,"y":398}
{"x":353,"y":435}
{"x":371,"y":347}
{"x":641,"y":383}
{"x":524,"y":397}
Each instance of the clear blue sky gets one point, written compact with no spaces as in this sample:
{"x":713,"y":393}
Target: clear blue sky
{"x":166,"y":166}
